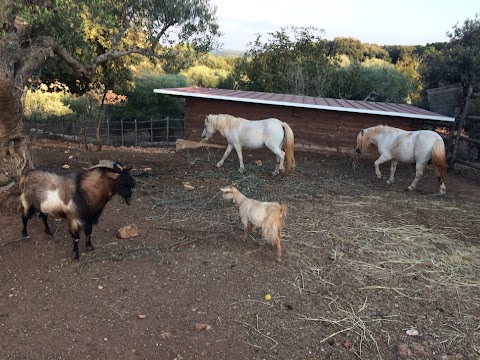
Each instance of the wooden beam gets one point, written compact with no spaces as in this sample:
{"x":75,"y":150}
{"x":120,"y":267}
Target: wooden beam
{"x":468,"y":163}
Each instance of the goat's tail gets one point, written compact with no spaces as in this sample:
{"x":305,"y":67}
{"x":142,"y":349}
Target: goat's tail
{"x":289,"y":147}
{"x":273,"y":224}
{"x":439,"y":161}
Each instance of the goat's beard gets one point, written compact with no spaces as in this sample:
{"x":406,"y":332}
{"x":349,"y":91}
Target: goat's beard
{"x":124,"y":187}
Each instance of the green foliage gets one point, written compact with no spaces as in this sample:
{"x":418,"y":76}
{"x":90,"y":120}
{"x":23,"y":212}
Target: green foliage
{"x":87,"y":29}
{"x":459,"y":61}
{"x":143,"y":103}
{"x":293,"y":61}
{"x":204,"y":76}
{"x":352,"y":48}
{"x":42,"y":105}
{"x":376,"y":80}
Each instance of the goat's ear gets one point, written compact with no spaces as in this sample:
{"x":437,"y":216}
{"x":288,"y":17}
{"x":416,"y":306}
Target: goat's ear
{"x":112,"y":175}
{"x":227,"y":189}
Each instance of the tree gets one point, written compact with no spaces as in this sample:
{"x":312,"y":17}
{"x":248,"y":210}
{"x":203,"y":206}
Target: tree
{"x":52,"y":39}
{"x":293,"y":61}
{"x":349,"y":46}
{"x":458,"y":62}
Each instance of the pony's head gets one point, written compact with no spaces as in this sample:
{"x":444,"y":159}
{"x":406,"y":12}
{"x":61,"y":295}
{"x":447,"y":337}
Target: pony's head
{"x":364,"y":138}
{"x":208,"y":129}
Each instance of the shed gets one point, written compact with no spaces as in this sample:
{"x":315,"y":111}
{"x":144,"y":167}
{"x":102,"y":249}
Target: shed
{"x":318,"y":123}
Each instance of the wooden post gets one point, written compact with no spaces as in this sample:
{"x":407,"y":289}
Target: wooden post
{"x":73,"y":128}
{"x":460,"y":127}
{"x":108,"y":131}
{"x":168,"y":126}
{"x":151,"y":131}
{"x":136,"y":132}
{"x":121,"y":129}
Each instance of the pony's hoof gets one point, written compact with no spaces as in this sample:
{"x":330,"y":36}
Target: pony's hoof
{"x":241,"y":170}
{"x":410,"y":188}
{"x":275,"y":173}
{"x":389,"y":182}
{"x":219,"y":165}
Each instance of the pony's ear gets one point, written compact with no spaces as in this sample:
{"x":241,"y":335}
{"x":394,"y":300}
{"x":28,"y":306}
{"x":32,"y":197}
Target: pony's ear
{"x":361,"y":132}
{"x":207,"y":119}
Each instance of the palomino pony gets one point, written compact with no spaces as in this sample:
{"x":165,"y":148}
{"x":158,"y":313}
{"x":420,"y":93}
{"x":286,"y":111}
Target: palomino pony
{"x":253,"y":135}
{"x":396,"y":145}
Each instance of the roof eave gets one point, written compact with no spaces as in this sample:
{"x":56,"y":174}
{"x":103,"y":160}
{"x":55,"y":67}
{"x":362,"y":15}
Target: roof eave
{"x":299,"y":105}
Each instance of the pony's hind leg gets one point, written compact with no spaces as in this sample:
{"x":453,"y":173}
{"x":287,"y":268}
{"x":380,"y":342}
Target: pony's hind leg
{"x":393,"y":168}
{"x":418,"y":175}
{"x":443,"y":188}
{"x":280,"y":160}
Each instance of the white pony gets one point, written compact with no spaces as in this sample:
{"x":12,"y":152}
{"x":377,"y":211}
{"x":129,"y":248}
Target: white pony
{"x":407,"y":147}
{"x":253,"y":135}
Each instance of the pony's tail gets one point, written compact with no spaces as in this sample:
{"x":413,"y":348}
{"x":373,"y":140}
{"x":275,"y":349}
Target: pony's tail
{"x":289,"y":147}
{"x":439,"y":160}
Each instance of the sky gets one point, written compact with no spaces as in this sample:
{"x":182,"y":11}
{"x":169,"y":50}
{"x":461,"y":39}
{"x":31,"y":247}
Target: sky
{"x":382,"y":22}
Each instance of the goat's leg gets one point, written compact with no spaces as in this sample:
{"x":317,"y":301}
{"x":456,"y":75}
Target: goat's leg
{"x":246,"y":230}
{"x":227,"y":152}
{"x":45,"y":222}
{"x":27,"y":215}
{"x":393,"y":168}
{"x":88,"y":238}
{"x":73,"y":230}
{"x":279,"y":249}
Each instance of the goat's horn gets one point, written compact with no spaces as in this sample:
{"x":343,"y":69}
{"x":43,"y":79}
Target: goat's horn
{"x":109,"y":164}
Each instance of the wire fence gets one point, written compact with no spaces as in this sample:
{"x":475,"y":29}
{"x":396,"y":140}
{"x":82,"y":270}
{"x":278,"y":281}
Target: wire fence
{"x":153,"y":132}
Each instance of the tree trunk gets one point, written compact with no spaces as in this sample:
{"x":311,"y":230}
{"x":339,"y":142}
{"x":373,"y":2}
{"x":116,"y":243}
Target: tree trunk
{"x":14,"y":143}
{"x":99,"y":120}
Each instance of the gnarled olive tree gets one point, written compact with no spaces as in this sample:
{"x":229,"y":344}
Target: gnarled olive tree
{"x":68,"y":40}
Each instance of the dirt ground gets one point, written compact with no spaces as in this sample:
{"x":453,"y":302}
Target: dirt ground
{"x":370,"y":271}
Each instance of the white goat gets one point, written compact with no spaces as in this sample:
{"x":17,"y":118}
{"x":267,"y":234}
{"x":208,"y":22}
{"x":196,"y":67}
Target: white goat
{"x":269,"y":216}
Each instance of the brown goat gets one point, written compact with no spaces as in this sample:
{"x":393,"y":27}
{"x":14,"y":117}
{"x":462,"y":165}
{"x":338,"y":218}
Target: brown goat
{"x":269,"y":216}
{"x":78,"y":199}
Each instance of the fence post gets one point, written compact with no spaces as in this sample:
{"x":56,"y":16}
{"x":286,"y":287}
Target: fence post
{"x":73,"y":128}
{"x":136,"y":132}
{"x":151,"y":131}
{"x":121,"y":129}
{"x":168,"y":125}
{"x":108,"y":131}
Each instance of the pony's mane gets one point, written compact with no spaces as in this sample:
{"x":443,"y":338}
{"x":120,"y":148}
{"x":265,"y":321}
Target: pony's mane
{"x":366,"y":140}
{"x":224,"y":121}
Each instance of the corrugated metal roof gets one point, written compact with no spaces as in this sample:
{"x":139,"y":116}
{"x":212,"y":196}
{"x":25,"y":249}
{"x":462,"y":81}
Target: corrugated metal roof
{"x":356,"y":106}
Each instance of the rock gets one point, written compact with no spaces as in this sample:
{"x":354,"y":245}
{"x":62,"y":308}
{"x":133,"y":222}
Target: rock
{"x":421,"y":350}
{"x":258,"y":162}
{"x":200,"y":326}
{"x":142,"y":316}
{"x":404,"y":351}
{"x":187,"y":186}
{"x":127,"y":231}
